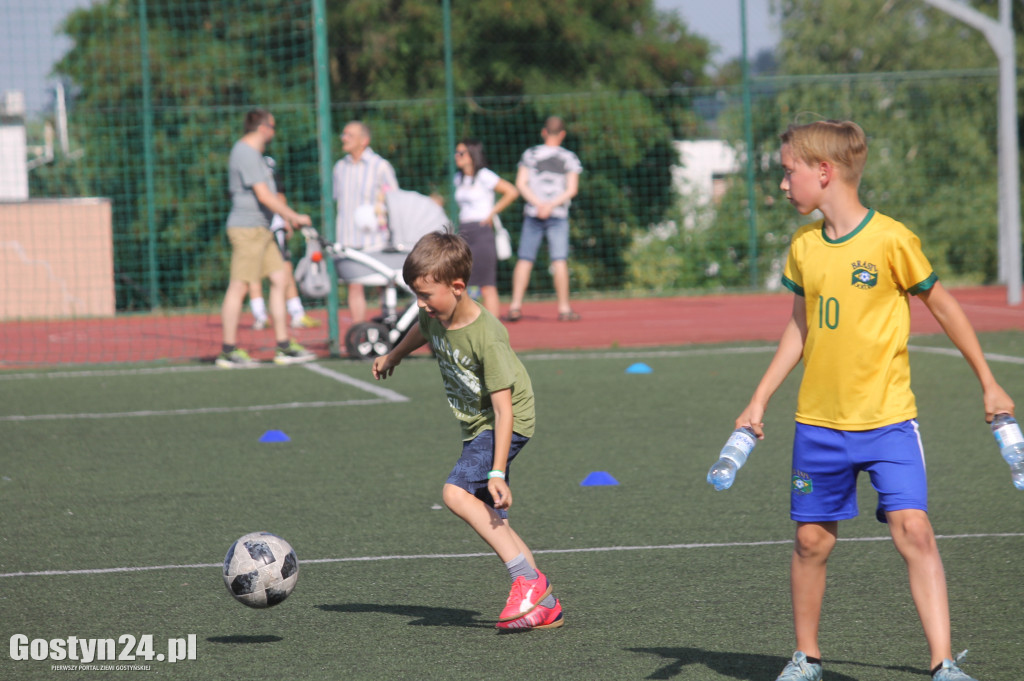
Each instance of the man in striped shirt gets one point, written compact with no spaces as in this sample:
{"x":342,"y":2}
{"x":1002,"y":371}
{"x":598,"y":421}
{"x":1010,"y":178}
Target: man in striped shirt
{"x":361,"y":179}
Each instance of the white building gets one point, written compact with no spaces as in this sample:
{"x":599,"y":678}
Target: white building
{"x":703,"y":170}
{"x":13,"y":148}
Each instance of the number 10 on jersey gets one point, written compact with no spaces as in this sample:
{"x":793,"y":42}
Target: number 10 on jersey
{"x":828,"y":312}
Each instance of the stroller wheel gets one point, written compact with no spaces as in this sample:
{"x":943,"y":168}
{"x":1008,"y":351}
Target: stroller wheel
{"x":367,"y":340}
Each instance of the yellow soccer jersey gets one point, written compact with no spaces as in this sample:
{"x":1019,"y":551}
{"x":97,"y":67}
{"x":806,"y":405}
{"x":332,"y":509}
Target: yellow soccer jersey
{"x":856,"y":368}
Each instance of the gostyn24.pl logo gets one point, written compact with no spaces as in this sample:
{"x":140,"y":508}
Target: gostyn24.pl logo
{"x":126,"y":648}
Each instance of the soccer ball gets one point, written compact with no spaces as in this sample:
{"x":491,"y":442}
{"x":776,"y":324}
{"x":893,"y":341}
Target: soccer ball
{"x":260,"y":570}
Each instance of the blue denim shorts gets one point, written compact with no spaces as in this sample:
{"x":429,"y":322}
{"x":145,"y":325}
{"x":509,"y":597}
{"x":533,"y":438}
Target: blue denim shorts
{"x":555,"y":230}
{"x":470,"y":472}
{"x":826,"y":463}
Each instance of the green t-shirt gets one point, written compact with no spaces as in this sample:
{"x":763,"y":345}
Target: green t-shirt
{"x":475,"y":361}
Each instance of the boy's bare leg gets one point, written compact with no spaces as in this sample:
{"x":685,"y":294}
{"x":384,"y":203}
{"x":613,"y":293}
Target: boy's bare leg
{"x":814,"y":543}
{"x":523,"y":548}
{"x":915,"y":540}
{"x":491,"y":527}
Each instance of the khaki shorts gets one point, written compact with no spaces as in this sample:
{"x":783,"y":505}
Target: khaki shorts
{"x":254,"y":253}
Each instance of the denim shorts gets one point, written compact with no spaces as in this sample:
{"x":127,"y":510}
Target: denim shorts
{"x":470,"y":472}
{"x":826,"y":463}
{"x":555,"y":230}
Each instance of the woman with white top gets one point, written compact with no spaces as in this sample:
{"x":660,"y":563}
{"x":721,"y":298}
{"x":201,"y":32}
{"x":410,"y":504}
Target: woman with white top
{"x":475,"y":187}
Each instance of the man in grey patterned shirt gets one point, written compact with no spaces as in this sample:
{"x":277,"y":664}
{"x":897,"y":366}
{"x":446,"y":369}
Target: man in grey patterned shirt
{"x":548,"y":179}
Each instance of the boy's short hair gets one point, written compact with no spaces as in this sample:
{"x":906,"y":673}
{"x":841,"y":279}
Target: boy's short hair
{"x":442,"y":256}
{"x":841,"y":143}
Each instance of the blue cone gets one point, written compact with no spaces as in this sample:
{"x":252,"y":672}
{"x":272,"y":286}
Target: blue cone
{"x":274,"y":436}
{"x":598,"y":479}
{"x":639,"y":368}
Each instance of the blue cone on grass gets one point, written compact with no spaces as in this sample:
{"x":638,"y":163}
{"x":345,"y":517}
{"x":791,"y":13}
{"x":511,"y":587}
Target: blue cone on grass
{"x":639,"y":368}
{"x":598,"y":479}
{"x":274,"y":436}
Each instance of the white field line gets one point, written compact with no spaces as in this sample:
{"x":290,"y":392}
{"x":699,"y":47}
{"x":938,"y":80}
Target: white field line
{"x":447,"y":556}
{"x":953,"y":352}
{"x":389,"y":395}
{"x":385,"y":394}
{"x":703,"y":352}
{"x":93,"y":373}
{"x":186,"y":412}
{"x":648,"y":354}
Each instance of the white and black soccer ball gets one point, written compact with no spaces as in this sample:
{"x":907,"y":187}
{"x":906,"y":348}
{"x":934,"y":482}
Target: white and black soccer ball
{"x":260,"y":570}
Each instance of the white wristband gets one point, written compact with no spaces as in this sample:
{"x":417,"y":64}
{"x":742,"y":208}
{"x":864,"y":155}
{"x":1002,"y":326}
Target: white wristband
{"x":496,"y":474}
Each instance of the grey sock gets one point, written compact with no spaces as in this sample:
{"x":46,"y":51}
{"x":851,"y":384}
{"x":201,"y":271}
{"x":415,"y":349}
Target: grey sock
{"x":520,"y":567}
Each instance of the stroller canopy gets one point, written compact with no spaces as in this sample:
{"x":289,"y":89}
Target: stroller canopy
{"x":411,"y":216}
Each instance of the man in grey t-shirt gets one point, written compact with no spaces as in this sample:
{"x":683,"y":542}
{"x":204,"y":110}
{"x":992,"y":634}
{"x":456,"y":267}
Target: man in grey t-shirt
{"x":548,"y":179}
{"x":254,"y":253}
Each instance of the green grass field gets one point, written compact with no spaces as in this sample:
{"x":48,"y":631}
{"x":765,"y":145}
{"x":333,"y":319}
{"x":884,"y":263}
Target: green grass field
{"x":122,"y":488}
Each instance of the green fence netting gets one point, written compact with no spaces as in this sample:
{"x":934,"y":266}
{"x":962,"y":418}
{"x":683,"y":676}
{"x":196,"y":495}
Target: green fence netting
{"x":153,"y":93}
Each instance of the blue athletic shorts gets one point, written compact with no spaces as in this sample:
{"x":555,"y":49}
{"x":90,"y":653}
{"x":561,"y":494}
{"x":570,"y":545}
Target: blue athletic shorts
{"x":826,"y":463}
{"x":470,"y":472}
{"x":555,"y":230}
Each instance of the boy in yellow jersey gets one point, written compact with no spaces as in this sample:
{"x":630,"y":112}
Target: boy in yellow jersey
{"x":851,"y":273}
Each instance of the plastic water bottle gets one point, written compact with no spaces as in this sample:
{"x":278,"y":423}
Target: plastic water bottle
{"x":1011,"y":446}
{"x":732,"y":457}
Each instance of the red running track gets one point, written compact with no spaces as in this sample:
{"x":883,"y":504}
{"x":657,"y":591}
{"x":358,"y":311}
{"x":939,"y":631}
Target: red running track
{"x":605,"y":324}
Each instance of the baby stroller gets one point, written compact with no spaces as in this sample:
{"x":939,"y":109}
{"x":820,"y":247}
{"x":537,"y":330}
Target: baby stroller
{"x":411,"y":215}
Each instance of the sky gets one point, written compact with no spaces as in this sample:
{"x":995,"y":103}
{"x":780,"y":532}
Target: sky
{"x":719,"y":21}
{"x":29,"y":46}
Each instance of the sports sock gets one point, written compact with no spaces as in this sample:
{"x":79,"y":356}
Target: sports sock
{"x":936,"y":670}
{"x":258,"y":307}
{"x":814,"y":660}
{"x":295,"y":309}
{"x":283,"y":345}
{"x":520,"y":567}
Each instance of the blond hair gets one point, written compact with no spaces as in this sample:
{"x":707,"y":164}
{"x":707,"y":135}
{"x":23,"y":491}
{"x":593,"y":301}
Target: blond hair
{"x":841,"y":143}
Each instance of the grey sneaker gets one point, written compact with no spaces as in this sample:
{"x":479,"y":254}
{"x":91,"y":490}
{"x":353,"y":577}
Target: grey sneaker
{"x":799,"y":669}
{"x":260,"y":324}
{"x":236,"y":359}
{"x":949,"y":671}
{"x":293,"y":354}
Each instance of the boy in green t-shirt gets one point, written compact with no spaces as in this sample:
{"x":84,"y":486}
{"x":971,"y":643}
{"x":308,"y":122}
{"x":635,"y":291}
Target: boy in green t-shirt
{"x":851,"y":273}
{"x":490,"y":393}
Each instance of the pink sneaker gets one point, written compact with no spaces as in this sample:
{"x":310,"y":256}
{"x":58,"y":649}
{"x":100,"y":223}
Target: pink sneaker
{"x":524,"y":596}
{"x":539,"y":618}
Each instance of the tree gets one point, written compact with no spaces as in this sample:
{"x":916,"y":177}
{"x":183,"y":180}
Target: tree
{"x":393,"y":50}
{"x":514,"y":64}
{"x":208,"y":64}
{"x":915,"y":80}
